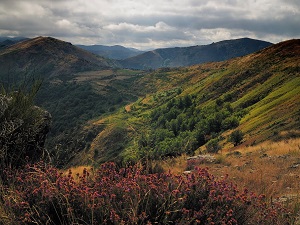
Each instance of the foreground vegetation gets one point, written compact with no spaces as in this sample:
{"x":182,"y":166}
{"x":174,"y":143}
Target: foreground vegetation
{"x":269,"y":168}
{"x":41,"y":194}
{"x":38,"y":193}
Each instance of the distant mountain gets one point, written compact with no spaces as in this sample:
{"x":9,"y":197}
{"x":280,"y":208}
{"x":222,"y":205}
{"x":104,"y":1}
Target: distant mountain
{"x":8,"y":41}
{"x":47,"y":57}
{"x":187,"y":56}
{"x":14,"y":39}
{"x":111,"y":52}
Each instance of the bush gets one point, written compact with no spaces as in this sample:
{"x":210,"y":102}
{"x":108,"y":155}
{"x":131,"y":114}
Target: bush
{"x":236,"y":137}
{"x":212,"y":146}
{"x":43,"y":195}
{"x":23,"y":129}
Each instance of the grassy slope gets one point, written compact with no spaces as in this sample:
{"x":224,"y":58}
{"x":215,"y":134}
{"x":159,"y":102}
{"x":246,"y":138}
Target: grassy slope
{"x":265,"y":85}
{"x":269,"y":168}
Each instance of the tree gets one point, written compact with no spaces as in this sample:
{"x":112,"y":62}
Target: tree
{"x":236,"y":137}
{"x":212,"y":146}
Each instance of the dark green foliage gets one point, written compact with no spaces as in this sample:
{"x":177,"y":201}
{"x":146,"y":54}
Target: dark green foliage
{"x":186,"y":127}
{"x":236,"y":137}
{"x":229,"y":123}
{"x":212,"y":146}
{"x":71,"y":105}
{"x":23,"y":128}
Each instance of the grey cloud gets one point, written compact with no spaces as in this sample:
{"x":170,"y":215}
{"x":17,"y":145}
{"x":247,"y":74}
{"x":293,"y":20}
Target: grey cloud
{"x":143,"y":23}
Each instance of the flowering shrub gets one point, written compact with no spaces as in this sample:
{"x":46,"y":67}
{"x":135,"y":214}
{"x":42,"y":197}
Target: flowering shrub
{"x":43,"y":195}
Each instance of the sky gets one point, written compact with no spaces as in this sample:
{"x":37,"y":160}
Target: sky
{"x":150,"y":24}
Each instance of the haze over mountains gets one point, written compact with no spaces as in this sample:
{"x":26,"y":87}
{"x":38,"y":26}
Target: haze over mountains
{"x":178,"y":56}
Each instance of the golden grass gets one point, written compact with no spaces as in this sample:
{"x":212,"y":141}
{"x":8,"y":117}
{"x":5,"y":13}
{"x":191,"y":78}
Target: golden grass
{"x":78,"y":171}
{"x":4,"y":217}
{"x":269,"y":168}
{"x":275,"y":148}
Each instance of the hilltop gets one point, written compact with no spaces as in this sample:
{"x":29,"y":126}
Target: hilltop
{"x":47,"y":57}
{"x":187,"y":56}
{"x":186,"y":109}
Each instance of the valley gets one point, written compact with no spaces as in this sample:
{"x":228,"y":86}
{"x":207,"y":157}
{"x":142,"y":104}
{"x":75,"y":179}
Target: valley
{"x":144,"y":126}
{"x":205,"y":103}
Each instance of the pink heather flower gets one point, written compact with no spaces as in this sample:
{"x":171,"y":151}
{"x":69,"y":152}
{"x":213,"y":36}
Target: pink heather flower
{"x":113,"y":196}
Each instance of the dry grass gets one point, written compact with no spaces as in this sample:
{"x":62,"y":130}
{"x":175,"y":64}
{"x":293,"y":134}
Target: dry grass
{"x":270,"y":168}
{"x":4,"y":218}
{"x":77,"y":171}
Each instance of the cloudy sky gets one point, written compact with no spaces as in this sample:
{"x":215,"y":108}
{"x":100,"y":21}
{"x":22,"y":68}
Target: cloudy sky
{"x":146,"y":24}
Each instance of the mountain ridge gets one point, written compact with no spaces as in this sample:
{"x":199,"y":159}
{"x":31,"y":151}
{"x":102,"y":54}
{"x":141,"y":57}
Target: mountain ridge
{"x":187,"y":56}
{"x":112,"y":52}
{"x":48,"y":57}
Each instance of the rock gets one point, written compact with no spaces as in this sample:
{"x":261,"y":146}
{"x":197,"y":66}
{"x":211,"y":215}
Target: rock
{"x":264,"y":155}
{"x":203,"y":158}
{"x":295,"y":165}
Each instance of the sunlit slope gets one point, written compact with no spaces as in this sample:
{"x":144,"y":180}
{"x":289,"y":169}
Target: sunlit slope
{"x":261,"y":90}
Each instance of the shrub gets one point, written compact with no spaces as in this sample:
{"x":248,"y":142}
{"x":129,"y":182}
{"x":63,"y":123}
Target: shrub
{"x":43,"y":195}
{"x":236,"y":137}
{"x":23,"y":128}
{"x":212,"y":146}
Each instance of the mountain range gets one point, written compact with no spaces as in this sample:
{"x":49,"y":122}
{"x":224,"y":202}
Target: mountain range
{"x":8,"y":41}
{"x":112,"y":52}
{"x":102,"y":111}
{"x":187,"y":56}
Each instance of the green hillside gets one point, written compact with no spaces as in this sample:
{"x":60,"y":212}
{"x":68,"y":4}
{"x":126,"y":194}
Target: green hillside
{"x":196,"y":108}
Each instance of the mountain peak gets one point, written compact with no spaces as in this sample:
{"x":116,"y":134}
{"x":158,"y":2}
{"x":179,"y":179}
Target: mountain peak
{"x":50,"y":56}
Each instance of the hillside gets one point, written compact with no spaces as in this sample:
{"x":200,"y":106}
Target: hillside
{"x":47,"y":57}
{"x":111,"y":52}
{"x":196,"y":108}
{"x":187,"y":56}
{"x":5,"y":42}
{"x":76,"y":87}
